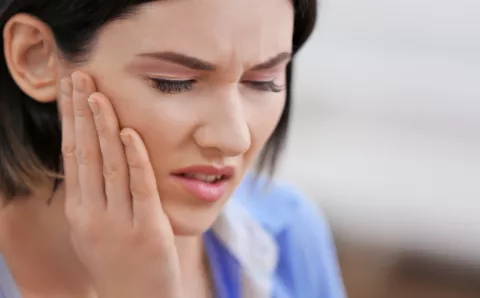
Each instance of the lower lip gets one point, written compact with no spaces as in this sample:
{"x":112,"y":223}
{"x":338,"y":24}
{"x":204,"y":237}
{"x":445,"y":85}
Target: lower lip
{"x":204,"y":191}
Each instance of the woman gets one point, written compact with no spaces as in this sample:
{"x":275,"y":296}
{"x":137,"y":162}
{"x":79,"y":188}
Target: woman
{"x":164,"y":105}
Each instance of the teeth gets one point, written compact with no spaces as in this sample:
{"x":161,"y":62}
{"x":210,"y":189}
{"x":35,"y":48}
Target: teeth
{"x":204,"y":178}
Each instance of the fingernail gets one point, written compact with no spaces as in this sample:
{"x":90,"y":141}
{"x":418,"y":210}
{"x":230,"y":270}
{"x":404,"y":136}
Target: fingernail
{"x":65,"y":87}
{"x":78,"y":82}
{"x":126,"y":138}
{"x":93,"y":106}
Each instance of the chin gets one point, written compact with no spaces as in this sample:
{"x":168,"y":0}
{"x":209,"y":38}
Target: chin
{"x":192,"y":222}
{"x":190,"y":227}
{"x":188,"y":230}
{"x":189,"y":216}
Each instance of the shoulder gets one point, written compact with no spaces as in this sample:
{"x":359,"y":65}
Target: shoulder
{"x":274,"y":204}
{"x":280,"y":207}
{"x":307,"y":264}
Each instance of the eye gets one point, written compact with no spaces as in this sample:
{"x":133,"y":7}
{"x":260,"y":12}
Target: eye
{"x":172,"y":86}
{"x":265,"y":86}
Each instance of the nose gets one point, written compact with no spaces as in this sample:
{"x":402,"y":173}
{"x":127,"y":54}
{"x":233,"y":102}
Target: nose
{"x":225,"y":128}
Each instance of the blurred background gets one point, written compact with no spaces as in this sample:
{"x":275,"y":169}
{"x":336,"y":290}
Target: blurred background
{"x":386,"y":138}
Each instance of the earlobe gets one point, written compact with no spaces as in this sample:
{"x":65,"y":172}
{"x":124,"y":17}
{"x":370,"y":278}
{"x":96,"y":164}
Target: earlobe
{"x":30,"y":53}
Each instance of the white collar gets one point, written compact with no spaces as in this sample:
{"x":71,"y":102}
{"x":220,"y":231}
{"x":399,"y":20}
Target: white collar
{"x":251,"y":245}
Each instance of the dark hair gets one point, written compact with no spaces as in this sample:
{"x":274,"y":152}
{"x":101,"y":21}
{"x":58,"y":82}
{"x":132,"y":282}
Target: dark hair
{"x":30,"y":132}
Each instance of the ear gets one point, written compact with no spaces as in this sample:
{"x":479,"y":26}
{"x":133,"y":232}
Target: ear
{"x":31,"y":56}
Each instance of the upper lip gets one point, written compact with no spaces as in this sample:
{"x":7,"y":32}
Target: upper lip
{"x":226,"y":172}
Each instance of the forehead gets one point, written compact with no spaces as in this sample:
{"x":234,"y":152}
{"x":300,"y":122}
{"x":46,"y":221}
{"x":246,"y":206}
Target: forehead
{"x":213,"y":30}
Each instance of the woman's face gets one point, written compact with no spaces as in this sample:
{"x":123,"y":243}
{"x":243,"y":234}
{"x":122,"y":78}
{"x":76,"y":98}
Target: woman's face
{"x":203,"y":83}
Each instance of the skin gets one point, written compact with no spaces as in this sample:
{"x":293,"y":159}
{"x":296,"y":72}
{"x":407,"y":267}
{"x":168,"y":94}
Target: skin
{"x":223,"y":119}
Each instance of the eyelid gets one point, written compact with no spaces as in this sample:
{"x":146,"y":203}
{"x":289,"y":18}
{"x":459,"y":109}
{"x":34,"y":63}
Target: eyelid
{"x":264,"y":76}
{"x":170,"y":78}
{"x":266,"y":85}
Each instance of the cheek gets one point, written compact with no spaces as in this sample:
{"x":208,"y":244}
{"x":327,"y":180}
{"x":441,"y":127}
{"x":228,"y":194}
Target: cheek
{"x":263,"y":119}
{"x":162,"y":124}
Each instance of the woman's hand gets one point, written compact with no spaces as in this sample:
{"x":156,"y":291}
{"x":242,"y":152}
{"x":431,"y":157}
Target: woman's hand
{"x":119,"y":229}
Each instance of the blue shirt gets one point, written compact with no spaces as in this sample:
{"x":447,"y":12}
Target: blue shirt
{"x":270,"y":241}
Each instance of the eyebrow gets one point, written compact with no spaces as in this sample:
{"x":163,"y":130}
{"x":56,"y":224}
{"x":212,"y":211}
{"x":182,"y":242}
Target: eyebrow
{"x":181,"y":59}
{"x":272,"y":62}
{"x":198,"y":64}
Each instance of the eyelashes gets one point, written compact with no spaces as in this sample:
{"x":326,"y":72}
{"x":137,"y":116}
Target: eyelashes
{"x":175,"y":86}
{"x":172,"y":86}
{"x":266,"y":86}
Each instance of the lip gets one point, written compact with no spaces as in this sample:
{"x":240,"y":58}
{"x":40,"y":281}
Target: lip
{"x":209,"y":192}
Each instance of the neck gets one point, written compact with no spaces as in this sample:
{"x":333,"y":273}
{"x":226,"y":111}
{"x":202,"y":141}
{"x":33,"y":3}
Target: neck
{"x":35,"y":243}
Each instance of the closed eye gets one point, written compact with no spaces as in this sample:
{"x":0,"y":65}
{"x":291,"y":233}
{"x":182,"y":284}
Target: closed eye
{"x":179,"y":86}
{"x":265,"y":86}
{"x":172,"y":86}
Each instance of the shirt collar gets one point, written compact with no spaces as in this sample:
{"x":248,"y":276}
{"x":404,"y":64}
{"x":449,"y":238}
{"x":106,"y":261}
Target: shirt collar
{"x":251,"y":245}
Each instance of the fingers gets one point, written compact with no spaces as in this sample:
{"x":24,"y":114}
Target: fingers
{"x":115,"y":171}
{"x":143,"y":185}
{"x":89,"y":159}
{"x":104,"y":170}
{"x":68,"y":144}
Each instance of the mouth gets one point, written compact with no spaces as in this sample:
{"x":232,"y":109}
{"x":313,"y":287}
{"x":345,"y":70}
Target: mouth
{"x":207,"y":174}
{"x":210,"y":179}
{"x":206,"y":183}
